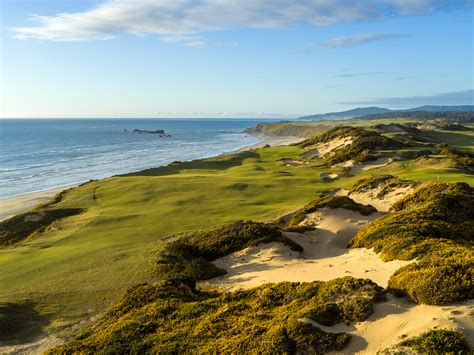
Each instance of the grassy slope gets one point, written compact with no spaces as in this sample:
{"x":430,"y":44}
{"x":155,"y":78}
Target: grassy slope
{"x":73,"y":273}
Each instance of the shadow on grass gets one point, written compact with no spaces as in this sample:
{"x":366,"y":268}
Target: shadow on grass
{"x":222,"y":162}
{"x":19,"y":323}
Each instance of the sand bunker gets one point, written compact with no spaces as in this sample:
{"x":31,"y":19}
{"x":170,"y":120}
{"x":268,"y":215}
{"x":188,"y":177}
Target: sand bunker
{"x":327,"y":176}
{"x":356,"y":167}
{"x":325,"y":256}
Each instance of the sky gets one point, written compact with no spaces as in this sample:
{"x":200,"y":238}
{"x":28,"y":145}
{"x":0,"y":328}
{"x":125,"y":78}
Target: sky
{"x":231,"y":58}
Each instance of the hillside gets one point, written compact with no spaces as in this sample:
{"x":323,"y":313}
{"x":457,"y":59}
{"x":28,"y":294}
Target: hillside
{"x":426,"y":111}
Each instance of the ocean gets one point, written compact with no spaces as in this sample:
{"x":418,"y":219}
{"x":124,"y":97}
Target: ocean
{"x":37,"y":155}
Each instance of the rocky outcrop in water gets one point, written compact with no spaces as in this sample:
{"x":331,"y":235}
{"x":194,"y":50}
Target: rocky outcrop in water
{"x":158,"y":132}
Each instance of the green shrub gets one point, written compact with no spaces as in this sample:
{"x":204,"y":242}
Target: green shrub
{"x":173,"y":316}
{"x":189,"y":256}
{"x":26,"y":225}
{"x":438,"y":279}
{"x":439,"y":341}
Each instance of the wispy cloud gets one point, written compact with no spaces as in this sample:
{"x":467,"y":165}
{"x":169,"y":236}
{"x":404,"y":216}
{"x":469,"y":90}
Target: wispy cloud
{"x":189,"y":41}
{"x":184,"y":17}
{"x":351,"y":75}
{"x":464,"y":97}
{"x":361,"y":38}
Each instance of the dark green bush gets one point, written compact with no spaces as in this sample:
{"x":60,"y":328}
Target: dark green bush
{"x":439,"y":341}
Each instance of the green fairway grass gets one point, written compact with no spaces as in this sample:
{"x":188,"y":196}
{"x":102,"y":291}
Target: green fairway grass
{"x":78,"y":269}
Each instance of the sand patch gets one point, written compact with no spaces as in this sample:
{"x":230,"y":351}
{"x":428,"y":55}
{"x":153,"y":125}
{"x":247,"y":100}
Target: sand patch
{"x":381,"y":162}
{"x":377,"y":198}
{"x":321,"y":150}
{"x":325,"y":256}
{"x":327,"y":176}
{"x":292,"y":162}
{"x":398,"y":319}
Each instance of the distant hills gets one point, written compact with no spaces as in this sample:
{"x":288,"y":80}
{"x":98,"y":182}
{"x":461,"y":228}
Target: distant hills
{"x":371,"y":111}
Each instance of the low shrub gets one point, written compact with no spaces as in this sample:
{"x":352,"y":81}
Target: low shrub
{"x":439,"y":341}
{"x":173,"y":316}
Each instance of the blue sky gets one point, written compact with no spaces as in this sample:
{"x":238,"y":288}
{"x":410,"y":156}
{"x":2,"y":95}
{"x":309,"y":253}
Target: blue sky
{"x":231,"y":58}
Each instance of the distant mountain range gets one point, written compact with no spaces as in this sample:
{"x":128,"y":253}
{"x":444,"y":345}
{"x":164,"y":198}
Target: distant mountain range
{"x":365,"y":111}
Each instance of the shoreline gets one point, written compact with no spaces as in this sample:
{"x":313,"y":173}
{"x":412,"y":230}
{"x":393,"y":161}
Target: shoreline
{"x":12,"y":206}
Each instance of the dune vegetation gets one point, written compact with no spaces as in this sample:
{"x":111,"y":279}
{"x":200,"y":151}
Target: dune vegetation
{"x":172,"y":316}
{"x":364,"y":144}
{"x":439,"y":341}
{"x":141,"y":227}
{"x":435,"y":225}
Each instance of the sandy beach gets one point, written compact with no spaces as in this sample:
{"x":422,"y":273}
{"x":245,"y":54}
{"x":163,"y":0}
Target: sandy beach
{"x":20,"y":204}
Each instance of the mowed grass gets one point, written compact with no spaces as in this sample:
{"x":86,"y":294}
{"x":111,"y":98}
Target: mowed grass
{"x":74,"y":273}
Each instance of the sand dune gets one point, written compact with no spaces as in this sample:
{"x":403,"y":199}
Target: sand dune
{"x":398,"y":319}
{"x":325,"y":257}
{"x":381,"y":201}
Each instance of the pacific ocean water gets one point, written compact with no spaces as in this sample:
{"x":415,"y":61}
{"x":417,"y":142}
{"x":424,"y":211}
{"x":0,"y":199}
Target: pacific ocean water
{"x":40,"y":154}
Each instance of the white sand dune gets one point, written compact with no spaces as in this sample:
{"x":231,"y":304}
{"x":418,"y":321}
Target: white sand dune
{"x":398,"y":319}
{"x":325,"y":256}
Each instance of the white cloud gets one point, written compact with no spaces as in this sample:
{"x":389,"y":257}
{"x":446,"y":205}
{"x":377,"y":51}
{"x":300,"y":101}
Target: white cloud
{"x":361,"y":38}
{"x":188,"y":17}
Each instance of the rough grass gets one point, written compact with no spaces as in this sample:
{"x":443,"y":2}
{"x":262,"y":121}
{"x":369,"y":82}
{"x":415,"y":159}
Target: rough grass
{"x":363,"y":148}
{"x":26,"y":225}
{"x":189,"y":256}
{"x":436,"y":225}
{"x":439,"y":341}
{"x":172,"y":316}
{"x":322,"y":202}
